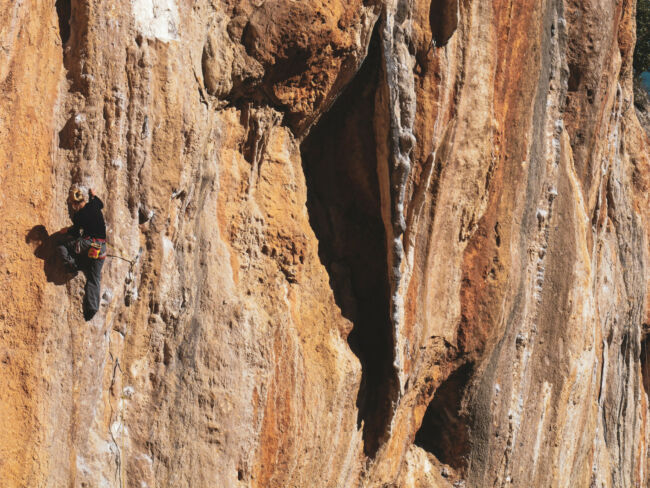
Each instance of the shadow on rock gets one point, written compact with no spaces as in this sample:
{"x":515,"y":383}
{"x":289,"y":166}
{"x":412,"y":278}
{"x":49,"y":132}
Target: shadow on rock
{"x":44,"y":246}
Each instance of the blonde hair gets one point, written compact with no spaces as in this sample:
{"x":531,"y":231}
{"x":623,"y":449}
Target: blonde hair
{"x":78,"y":194}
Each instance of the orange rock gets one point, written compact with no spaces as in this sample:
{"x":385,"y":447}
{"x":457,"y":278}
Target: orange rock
{"x":374,"y":244}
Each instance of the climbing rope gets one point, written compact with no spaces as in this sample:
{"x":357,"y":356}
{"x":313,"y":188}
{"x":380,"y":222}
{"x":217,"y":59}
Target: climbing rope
{"x":132,"y":262}
{"x":118,"y":412}
{"x":120,"y":257}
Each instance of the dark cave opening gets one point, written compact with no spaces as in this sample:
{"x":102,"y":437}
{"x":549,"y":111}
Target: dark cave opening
{"x":445,"y":427}
{"x":443,"y":19}
{"x":64,"y":12}
{"x":343,"y":200}
{"x":575,"y":76}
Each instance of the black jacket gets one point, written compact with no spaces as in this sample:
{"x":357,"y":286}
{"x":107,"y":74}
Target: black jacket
{"x":90,"y":219}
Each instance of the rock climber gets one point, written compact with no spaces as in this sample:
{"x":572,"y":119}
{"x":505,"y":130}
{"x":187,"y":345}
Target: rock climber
{"x":85,"y":249}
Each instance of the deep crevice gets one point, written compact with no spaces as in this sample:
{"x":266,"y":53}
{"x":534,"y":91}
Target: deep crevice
{"x":343,"y":200}
{"x":443,"y":19}
{"x":645,"y":358}
{"x":445,"y":427}
{"x":575,"y":77}
{"x":64,"y":12}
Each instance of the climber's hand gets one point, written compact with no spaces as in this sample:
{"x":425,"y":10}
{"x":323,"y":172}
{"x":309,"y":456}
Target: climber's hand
{"x":91,"y":193}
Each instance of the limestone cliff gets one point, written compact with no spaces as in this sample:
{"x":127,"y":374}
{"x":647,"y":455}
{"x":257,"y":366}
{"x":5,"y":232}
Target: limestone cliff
{"x":374,"y":244}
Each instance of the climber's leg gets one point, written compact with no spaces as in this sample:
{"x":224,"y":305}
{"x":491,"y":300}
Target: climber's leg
{"x":93,"y":277}
{"x":66,"y":252}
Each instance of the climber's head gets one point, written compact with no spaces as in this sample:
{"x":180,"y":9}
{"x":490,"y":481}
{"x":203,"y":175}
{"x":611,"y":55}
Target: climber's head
{"x":78,"y":197}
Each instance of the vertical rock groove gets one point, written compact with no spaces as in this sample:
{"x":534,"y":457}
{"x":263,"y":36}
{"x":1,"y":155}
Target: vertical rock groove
{"x":645,"y":364}
{"x":64,"y":12}
{"x":344,"y":207}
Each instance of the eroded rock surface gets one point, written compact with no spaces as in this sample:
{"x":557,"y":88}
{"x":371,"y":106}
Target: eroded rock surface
{"x":373,"y":244}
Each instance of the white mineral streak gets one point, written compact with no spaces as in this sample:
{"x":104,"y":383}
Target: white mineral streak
{"x":157,"y":18}
{"x":398,"y":66}
{"x":7,"y":37}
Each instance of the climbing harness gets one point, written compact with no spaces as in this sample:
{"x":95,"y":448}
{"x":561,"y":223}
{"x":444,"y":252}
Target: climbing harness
{"x":95,"y":248}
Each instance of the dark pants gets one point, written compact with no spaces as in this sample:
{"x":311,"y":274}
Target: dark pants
{"x":92,"y":268}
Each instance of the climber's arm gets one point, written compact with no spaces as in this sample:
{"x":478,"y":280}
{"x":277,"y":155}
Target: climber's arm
{"x":94,"y":200}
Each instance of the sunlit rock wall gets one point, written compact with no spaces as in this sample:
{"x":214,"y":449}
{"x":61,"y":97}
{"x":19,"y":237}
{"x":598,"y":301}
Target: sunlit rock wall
{"x":371,"y":244}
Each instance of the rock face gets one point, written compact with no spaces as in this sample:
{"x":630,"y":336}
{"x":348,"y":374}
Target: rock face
{"x":372,"y":244}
